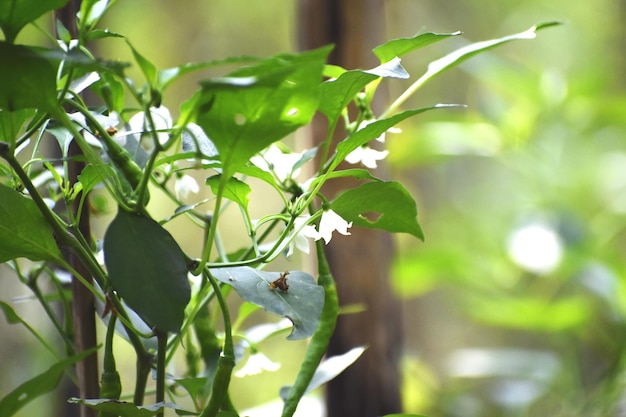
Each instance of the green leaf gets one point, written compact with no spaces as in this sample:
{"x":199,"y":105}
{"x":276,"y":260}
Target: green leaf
{"x":13,"y":318}
{"x":235,"y":190}
{"x":258,"y":105}
{"x":23,"y":230}
{"x":90,"y":176}
{"x":302,"y":303}
{"x":91,"y":11}
{"x":37,"y":386}
{"x":148,"y":68}
{"x":380,"y":205}
{"x":335,"y":94}
{"x":28,"y":77}
{"x":469,"y":51}
{"x":126,"y":409}
{"x":15,"y":14}
{"x":11,"y":123}
{"x":401,"y":46}
{"x":167,"y":76}
{"x":147,"y":268}
{"x":374,"y":130}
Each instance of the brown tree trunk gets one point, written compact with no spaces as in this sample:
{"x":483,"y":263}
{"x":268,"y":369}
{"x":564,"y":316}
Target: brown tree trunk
{"x":83,"y":309}
{"x":360,"y":262}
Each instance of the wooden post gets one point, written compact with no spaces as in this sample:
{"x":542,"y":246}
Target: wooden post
{"x":360,"y":262}
{"x":83,"y":309}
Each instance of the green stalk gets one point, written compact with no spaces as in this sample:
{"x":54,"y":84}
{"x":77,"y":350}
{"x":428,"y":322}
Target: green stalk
{"x":111,"y":385}
{"x":226,"y":363}
{"x":160,"y":368}
{"x":321,"y":338}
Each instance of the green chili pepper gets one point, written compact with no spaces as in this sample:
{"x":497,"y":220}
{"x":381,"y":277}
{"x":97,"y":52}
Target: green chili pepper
{"x":111,"y":386}
{"x":321,"y":338}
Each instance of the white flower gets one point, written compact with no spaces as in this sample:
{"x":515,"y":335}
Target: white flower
{"x":107,"y":122}
{"x":257,"y":363}
{"x":367,"y":156}
{"x":381,"y":138}
{"x":329,"y":223}
{"x":278,"y":163}
{"x":184,"y":185}
{"x":162,"y":121}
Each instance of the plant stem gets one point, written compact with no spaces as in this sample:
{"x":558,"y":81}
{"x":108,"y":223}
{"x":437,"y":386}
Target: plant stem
{"x":160,"y":368}
{"x":226,"y":362}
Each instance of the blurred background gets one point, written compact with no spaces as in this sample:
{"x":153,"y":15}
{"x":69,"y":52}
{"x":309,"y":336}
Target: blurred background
{"x":515,"y":304}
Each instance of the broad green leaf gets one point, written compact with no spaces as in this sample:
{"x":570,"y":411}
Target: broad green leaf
{"x":15,"y":14}
{"x":24,"y":233}
{"x":401,"y":46}
{"x":302,"y":303}
{"x":28,"y":77}
{"x":235,"y":190}
{"x":335,"y":94}
{"x":469,"y":51}
{"x":37,"y":386}
{"x":380,"y":205}
{"x":374,"y":130}
{"x":147,"y":268}
{"x":258,"y":105}
{"x":126,"y":409}
{"x":328,"y":370}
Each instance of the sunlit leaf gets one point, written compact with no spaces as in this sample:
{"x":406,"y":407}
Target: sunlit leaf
{"x":258,"y":105}
{"x":401,"y":46}
{"x":126,"y":409}
{"x":23,"y":230}
{"x":374,"y":130}
{"x":147,"y":268}
{"x":37,"y":386}
{"x":335,"y":94}
{"x":380,"y":205}
{"x":15,"y":14}
{"x":469,"y":51}
{"x":302,"y":303}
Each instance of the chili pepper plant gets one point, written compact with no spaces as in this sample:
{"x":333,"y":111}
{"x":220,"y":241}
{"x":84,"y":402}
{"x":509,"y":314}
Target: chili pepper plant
{"x":124,"y":144}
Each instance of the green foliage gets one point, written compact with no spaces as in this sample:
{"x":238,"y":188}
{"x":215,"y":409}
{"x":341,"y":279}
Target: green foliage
{"x":24,"y":231}
{"x":229,"y":131}
{"x":147,"y":269}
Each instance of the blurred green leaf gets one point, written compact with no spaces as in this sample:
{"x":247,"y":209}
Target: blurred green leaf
{"x":380,"y":205}
{"x":532,"y":313}
{"x":15,"y":14}
{"x":302,"y":303}
{"x":28,"y":77}
{"x":258,"y":105}
{"x":126,"y":409}
{"x":466,"y":52}
{"x":23,"y":230}
{"x":401,"y":46}
{"x":148,"y":270}
{"x":37,"y":386}
{"x":11,"y":123}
